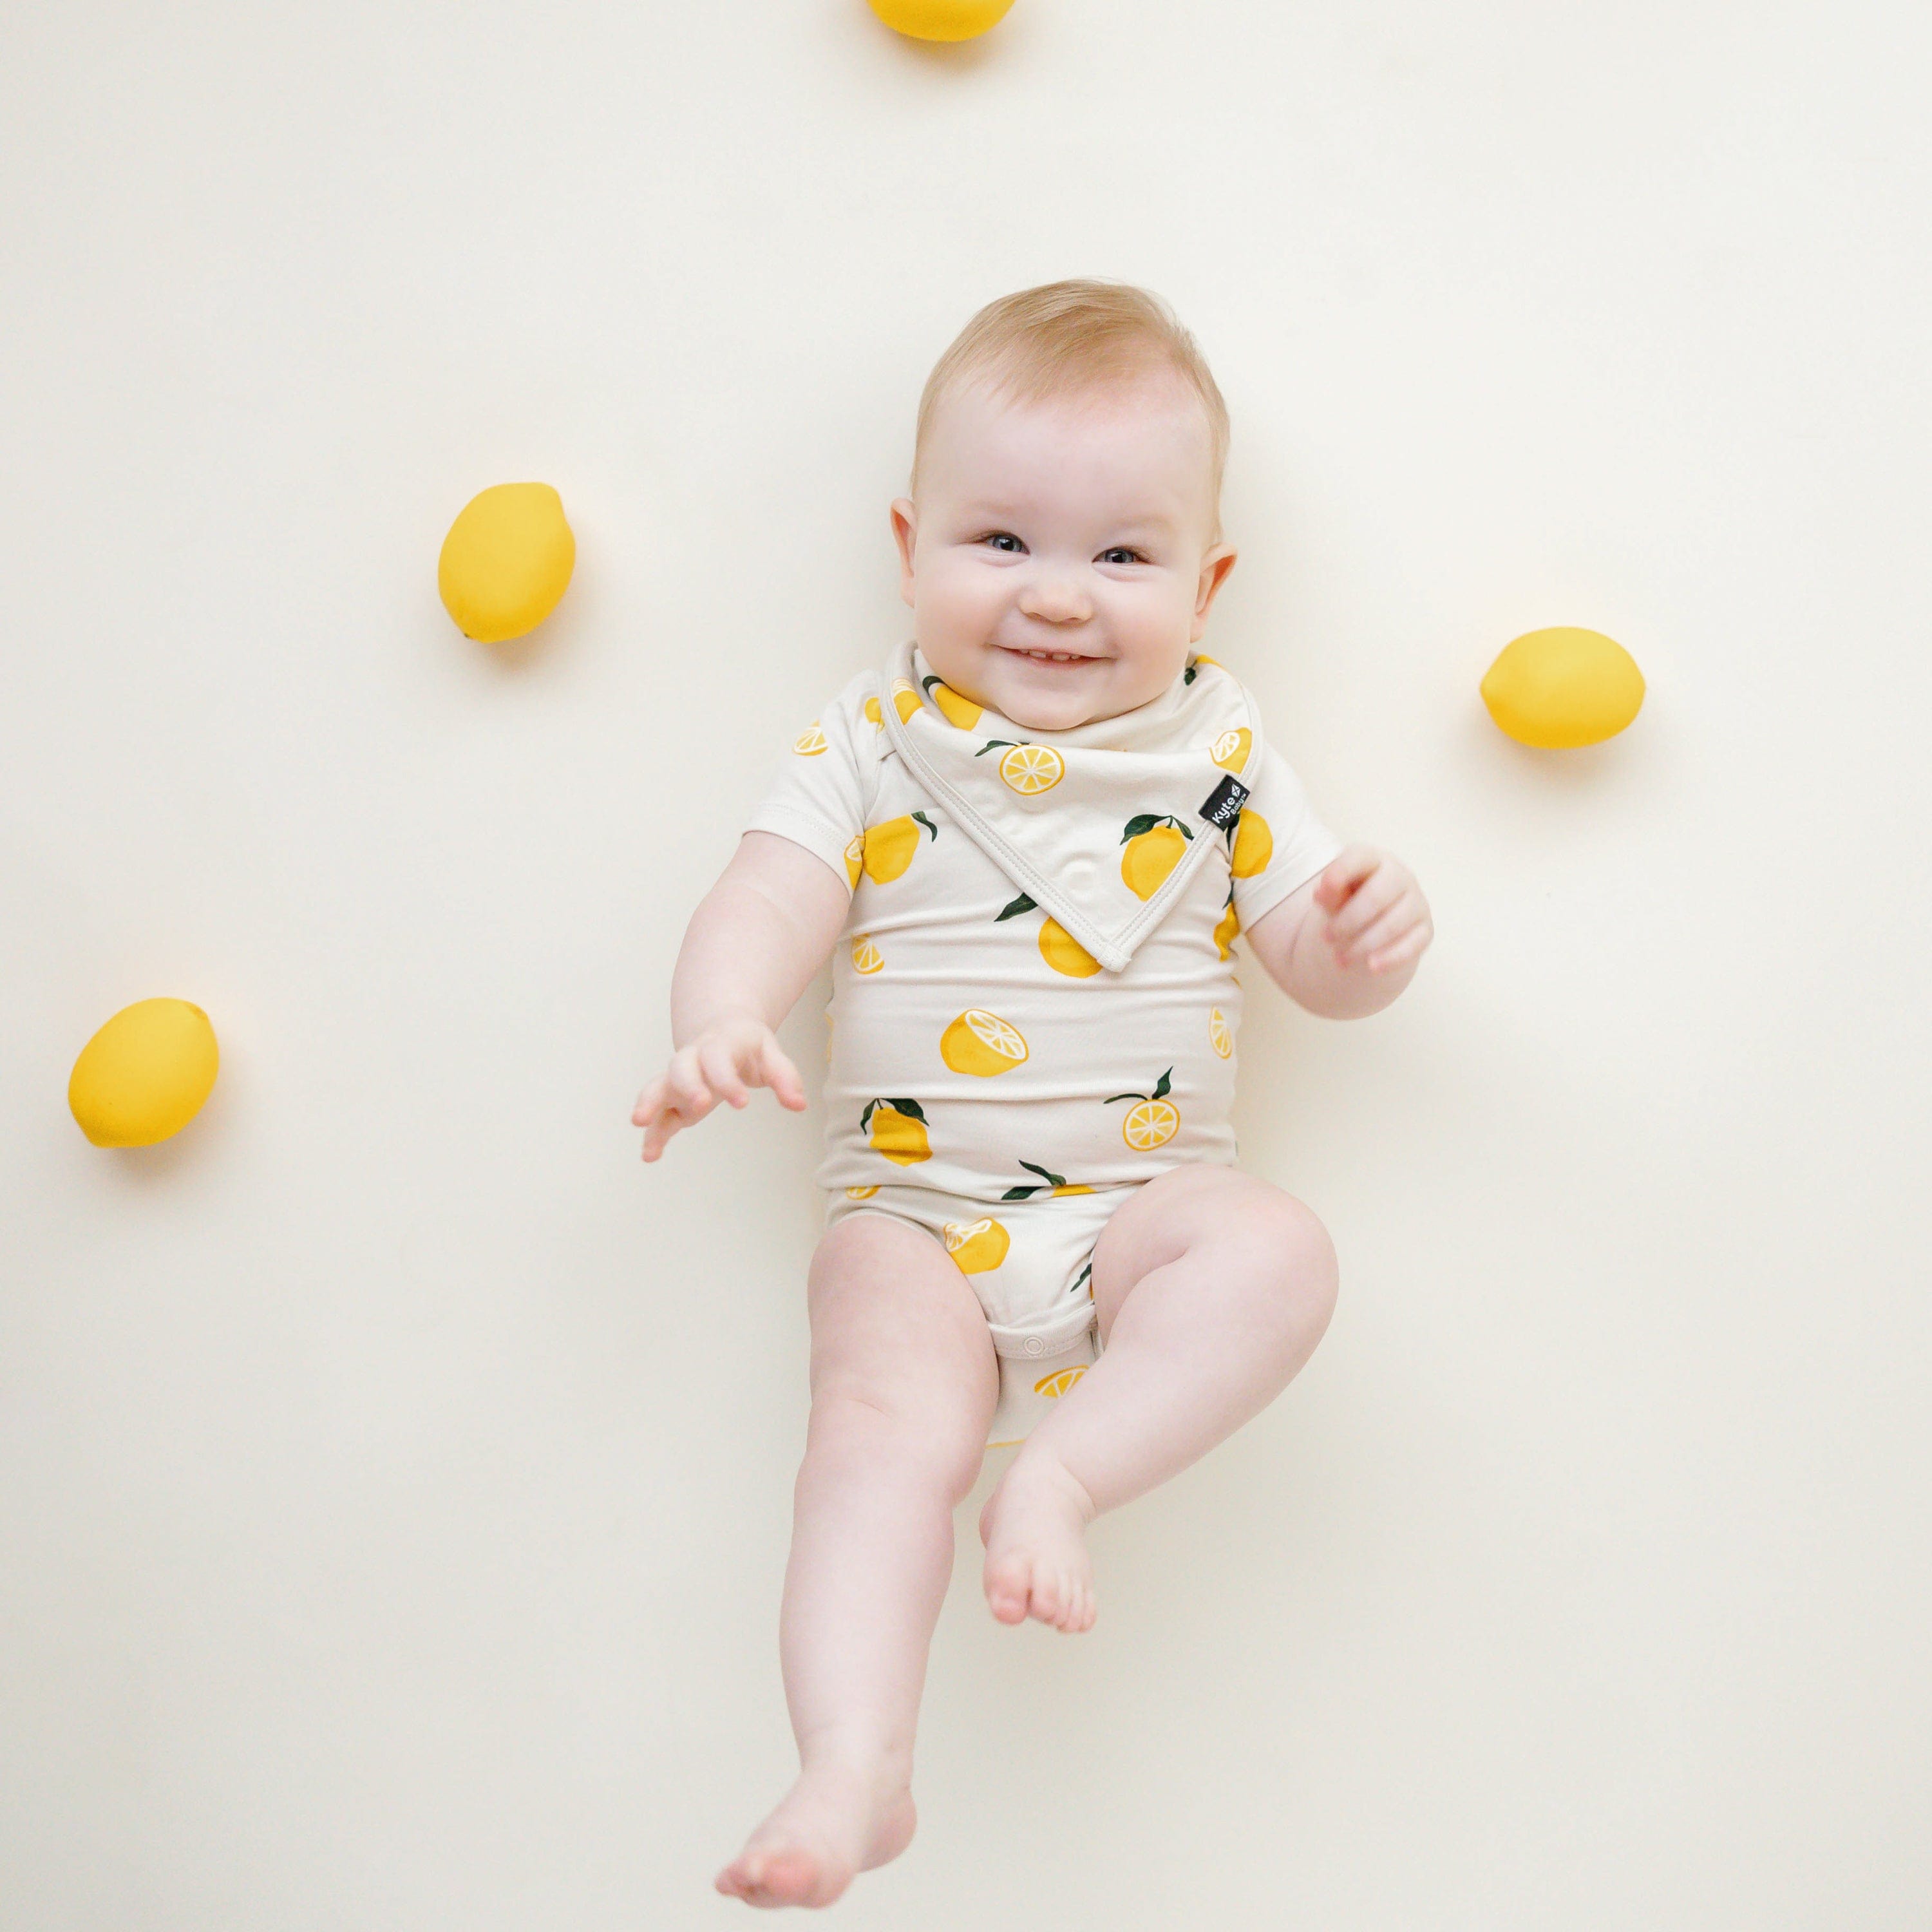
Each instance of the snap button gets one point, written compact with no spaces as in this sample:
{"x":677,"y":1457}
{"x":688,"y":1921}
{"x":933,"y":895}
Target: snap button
{"x":1035,"y":1346}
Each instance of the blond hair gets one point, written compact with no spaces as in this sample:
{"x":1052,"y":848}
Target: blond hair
{"x":1064,"y":336}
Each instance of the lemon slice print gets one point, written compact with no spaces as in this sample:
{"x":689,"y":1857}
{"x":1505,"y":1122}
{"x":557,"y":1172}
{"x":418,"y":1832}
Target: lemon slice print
{"x":1059,"y":1382}
{"x":1219,"y":1036}
{"x":1230,"y":751}
{"x":1153,"y":1120}
{"x":1028,"y":770}
{"x":905,"y":700}
{"x":978,"y":1247}
{"x":866,"y":957}
{"x":811,"y":742}
{"x":861,"y":1193}
{"x":981,"y":1043}
{"x":855,"y":859}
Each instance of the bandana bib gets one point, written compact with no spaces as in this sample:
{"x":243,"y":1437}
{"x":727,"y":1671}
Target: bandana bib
{"x":1103,"y":825}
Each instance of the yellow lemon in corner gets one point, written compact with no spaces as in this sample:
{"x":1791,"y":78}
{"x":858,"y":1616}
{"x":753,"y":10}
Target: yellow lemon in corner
{"x":1029,"y":769}
{"x":1227,"y":930}
{"x":1220,"y":1037}
{"x":855,"y":859}
{"x":1064,"y":953}
{"x":955,"y":710}
{"x":1150,"y":857}
{"x":888,"y":848}
{"x":1230,"y":751}
{"x":981,"y":1043}
{"x":1563,"y":687}
{"x":899,"y":1131}
{"x":977,"y":1245}
{"x":506,"y":561}
{"x":145,"y":1075}
{"x":810,"y":742}
{"x":866,"y":957}
{"x":1254,"y":846}
{"x":941,"y":20}
{"x":905,"y":700}
{"x":1059,"y":1382}
{"x":861,"y":1193}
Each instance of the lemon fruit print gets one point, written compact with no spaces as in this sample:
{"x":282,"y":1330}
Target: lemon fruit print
{"x":905,"y":700}
{"x":1049,"y":1183}
{"x":978,"y":1247}
{"x":866,"y":957}
{"x":899,"y":1130}
{"x":1155,"y":842}
{"x":1254,"y":846}
{"x":1220,"y":1035}
{"x":1153,"y":1120}
{"x":955,"y":710}
{"x":1228,"y":929}
{"x":888,"y":848}
{"x":982,"y":1043}
{"x":810,"y":743}
{"x":1057,"y":946}
{"x":1230,"y":751}
{"x":855,"y":859}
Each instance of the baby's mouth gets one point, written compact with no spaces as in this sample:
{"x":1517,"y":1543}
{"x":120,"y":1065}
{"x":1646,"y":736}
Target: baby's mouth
{"x":1047,"y":656}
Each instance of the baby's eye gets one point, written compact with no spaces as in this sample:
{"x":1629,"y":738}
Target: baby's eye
{"x":1119,"y":553}
{"x":1004,"y":540}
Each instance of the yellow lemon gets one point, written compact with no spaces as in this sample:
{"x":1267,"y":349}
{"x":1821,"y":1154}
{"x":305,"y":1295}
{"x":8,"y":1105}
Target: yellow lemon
{"x":873,"y":716}
{"x":956,"y":710}
{"x":888,"y":847}
{"x":144,"y":1075}
{"x":810,"y":742}
{"x":1563,"y":687}
{"x":1254,"y":846}
{"x":941,"y":20}
{"x":1202,"y":657}
{"x":1226,"y":931}
{"x":978,"y":1247}
{"x":1064,"y":953}
{"x":905,"y":700}
{"x":1150,"y":857}
{"x":1150,"y":1124}
{"x":982,"y":1043}
{"x":1059,"y":1382}
{"x":866,"y":957}
{"x":860,"y":1193}
{"x":1219,"y":1037}
{"x":1230,"y":751}
{"x":506,"y":561}
{"x":899,"y":1131}
{"x":1031,"y":769}
{"x":855,"y":859}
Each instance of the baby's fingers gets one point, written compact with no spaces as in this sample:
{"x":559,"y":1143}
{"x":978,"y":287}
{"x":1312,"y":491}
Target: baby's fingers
{"x":780,"y":1075}
{"x":1385,"y":929}
{"x":720,"y":1068}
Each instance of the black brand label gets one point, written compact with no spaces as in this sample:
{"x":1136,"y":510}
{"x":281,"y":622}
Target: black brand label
{"x":1225,"y":803}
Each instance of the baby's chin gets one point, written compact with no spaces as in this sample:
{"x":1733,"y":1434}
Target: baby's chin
{"x":1048,"y":697}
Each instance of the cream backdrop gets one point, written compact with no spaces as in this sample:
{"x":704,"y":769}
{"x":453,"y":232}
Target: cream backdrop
{"x":396,"y":1474}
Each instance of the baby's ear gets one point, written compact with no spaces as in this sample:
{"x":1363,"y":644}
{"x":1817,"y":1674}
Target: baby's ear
{"x":905,"y":533}
{"x":1214,"y":568}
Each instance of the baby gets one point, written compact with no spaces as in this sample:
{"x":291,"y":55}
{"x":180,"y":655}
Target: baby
{"x":1031,"y":838}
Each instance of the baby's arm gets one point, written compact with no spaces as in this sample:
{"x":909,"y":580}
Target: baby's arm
{"x":752,"y":947}
{"x":1345,"y":944}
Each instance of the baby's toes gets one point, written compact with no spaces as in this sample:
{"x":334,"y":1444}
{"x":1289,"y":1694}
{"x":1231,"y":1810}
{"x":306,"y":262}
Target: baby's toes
{"x":1010,"y":1587}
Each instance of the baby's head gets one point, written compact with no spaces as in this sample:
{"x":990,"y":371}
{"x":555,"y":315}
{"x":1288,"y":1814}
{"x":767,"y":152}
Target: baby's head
{"x":1062,"y":543}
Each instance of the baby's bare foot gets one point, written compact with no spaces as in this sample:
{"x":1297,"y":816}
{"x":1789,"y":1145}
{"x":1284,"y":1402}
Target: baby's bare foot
{"x":1034,"y":1528}
{"x":839,"y":1818}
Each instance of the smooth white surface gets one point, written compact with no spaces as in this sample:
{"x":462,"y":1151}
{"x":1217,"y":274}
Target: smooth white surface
{"x":394,"y":1474}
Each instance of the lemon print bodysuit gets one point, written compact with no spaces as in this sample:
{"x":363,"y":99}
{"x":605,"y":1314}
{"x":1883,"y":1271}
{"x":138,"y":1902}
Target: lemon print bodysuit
{"x":1034,"y":1007}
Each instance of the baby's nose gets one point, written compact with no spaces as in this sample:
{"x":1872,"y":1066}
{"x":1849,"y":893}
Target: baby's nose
{"x":1055,"y":601}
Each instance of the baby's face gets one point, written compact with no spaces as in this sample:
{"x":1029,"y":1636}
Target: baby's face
{"x":1060,"y":558}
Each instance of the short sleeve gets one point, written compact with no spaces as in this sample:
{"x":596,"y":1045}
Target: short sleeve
{"x":1280,"y":844}
{"x":820,"y":797}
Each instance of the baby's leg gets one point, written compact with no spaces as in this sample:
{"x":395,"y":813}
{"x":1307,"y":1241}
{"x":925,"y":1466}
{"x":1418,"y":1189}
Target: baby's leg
{"x":903,"y":1382}
{"x":1212,"y":1288}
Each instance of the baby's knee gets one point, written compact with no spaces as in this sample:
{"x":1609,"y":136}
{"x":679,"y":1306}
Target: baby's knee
{"x":1298,"y":1251}
{"x":903,"y":1438}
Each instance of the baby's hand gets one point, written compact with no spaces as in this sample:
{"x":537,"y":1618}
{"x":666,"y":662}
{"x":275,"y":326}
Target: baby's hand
{"x":1377,"y":915}
{"x":735,"y":1053}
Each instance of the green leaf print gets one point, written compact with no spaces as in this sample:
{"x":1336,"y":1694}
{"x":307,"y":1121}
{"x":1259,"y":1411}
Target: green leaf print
{"x":1146,"y":821}
{"x":1019,"y":905}
{"x":993,"y":745}
{"x":921,"y":818}
{"x":1047,"y":1176}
